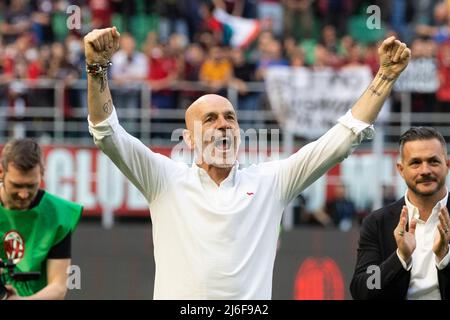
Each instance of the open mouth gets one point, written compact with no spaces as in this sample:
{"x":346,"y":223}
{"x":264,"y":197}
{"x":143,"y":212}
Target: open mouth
{"x":223,"y":143}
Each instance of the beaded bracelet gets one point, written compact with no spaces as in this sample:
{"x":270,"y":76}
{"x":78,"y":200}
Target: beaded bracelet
{"x":96,"y":69}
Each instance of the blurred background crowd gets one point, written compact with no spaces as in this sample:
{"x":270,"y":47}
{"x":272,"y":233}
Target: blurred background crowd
{"x":164,"y":42}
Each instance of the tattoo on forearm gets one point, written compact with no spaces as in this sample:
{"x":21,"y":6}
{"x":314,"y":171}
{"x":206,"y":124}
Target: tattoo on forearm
{"x":386,"y":78}
{"x":108,"y":107}
{"x":103,"y":82}
{"x":374,"y":91}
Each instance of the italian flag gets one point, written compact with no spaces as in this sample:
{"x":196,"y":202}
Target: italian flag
{"x":244,"y":31}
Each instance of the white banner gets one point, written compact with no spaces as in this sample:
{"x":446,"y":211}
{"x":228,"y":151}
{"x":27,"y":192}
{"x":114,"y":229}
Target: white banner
{"x":419,"y":76}
{"x":307,"y":102}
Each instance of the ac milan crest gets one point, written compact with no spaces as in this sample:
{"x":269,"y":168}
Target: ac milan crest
{"x":14,"y":246}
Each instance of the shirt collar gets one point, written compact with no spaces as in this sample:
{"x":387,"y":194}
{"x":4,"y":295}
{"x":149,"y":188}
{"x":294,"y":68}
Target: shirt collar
{"x":205,"y":178}
{"x":413,"y":212}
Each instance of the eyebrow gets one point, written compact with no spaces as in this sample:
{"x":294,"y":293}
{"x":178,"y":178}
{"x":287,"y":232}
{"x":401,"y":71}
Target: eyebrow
{"x":209,"y":114}
{"x":214,"y":114}
{"x":26,"y":185}
{"x":227,"y":113}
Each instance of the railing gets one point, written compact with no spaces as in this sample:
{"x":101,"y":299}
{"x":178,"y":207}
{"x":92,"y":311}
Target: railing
{"x":55,"y":122}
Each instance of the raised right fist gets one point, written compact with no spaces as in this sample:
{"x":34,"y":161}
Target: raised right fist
{"x":100,"y":44}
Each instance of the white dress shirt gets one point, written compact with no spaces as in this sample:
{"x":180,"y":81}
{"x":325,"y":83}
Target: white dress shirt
{"x":219,"y":242}
{"x":424,"y":283}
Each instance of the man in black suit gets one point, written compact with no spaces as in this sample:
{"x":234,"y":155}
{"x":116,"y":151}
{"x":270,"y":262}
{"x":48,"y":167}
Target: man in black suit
{"x":403,"y":250}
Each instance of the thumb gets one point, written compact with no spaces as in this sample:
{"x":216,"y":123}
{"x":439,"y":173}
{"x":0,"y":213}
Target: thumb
{"x":115,"y":33}
{"x":412,"y":227}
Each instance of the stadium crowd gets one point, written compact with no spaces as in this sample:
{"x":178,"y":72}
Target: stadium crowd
{"x":168,"y":41}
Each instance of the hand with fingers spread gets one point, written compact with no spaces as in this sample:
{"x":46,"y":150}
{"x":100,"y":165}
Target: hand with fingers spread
{"x":394,"y":57}
{"x":100,"y":45}
{"x":406,"y":240}
{"x":440,"y":245}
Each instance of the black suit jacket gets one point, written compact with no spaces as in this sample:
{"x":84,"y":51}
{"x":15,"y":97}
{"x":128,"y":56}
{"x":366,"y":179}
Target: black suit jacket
{"x":377,"y":246}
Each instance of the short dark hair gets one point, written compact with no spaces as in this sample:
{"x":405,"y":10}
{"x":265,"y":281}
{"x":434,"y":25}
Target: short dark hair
{"x":24,"y":154}
{"x":421,"y":133}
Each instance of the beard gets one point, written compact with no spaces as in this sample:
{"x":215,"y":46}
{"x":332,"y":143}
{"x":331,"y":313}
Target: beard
{"x":14,"y":202}
{"x":414,"y":186}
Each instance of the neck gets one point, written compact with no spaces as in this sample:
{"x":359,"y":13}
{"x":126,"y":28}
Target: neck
{"x":217,"y":174}
{"x":425,"y":204}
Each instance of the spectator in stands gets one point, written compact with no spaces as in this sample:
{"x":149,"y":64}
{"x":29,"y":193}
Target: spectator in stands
{"x":329,"y":39}
{"x":42,"y":22}
{"x":371,"y":57}
{"x":59,"y":67}
{"x":172,"y":19}
{"x":409,"y":239}
{"x":289,"y":46}
{"x":272,"y":12}
{"x":101,"y":13}
{"x":128,"y":65}
{"x":210,"y":27}
{"x":297,"y":58}
{"x":322,"y":58}
{"x":443,"y":65}
{"x":164,"y":72}
{"x":272,"y":56}
{"x":298,"y":19}
{"x":193,"y":61}
{"x":244,"y":72}
{"x":420,"y":101}
{"x":440,"y":32}
{"x":336,"y":13}
{"x":341,"y":209}
{"x":216,"y":72}
{"x":16,"y":21}
{"x":354,"y":57}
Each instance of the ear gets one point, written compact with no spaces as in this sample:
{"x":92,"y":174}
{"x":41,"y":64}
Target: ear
{"x":2,"y":172}
{"x":187,"y":137}
{"x":400,"y":168}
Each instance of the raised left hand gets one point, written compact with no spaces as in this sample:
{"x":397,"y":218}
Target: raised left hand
{"x":394,"y":57}
{"x":440,"y":245}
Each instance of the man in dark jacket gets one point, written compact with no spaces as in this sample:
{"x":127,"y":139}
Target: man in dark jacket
{"x":403,"y":250}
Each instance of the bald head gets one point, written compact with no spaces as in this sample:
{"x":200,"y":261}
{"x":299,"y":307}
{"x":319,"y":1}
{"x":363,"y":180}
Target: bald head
{"x":212,"y":132}
{"x":204,"y":105}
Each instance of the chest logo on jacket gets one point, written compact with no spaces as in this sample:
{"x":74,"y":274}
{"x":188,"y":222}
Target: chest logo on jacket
{"x":14,"y":246}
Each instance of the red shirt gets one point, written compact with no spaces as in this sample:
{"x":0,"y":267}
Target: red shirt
{"x":161,"y":68}
{"x":101,"y":12}
{"x":443,"y":93}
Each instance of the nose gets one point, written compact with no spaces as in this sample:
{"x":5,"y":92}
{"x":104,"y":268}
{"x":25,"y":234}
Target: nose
{"x":425,"y":169}
{"x":23,"y":194}
{"x":223,"y":123}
